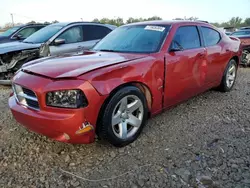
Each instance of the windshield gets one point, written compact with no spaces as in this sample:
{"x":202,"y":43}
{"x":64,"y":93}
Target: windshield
{"x":134,"y":39}
{"x":241,"y":33}
{"x":10,"y":31}
{"x":43,"y":35}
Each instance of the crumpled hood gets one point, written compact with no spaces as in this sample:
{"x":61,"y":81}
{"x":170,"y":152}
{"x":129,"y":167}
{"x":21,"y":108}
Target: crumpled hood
{"x":16,"y":46}
{"x":75,"y":65}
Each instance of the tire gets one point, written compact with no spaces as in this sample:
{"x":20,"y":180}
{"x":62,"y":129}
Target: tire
{"x":115,"y":121}
{"x":229,"y":76}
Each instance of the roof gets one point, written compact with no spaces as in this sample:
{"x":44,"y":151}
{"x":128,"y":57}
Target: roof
{"x":64,"y":24}
{"x":244,"y":29}
{"x":25,"y":25}
{"x":71,"y":23}
{"x":33,"y":24}
{"x":169,"y":22}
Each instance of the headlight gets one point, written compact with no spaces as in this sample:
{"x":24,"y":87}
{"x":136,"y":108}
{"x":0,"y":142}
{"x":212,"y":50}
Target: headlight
{"x":66,"y":99}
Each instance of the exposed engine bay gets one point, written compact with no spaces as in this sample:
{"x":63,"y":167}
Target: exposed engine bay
{"x":12,"y":61}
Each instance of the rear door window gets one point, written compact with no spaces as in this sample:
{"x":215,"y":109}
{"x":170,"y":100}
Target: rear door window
{"x":211,"y":37}
{"x":187,"y":37}
{"x":94,"y":32}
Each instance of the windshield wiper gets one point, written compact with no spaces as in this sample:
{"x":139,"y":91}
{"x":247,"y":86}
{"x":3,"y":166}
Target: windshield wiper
{"x":28,"y":42}
{"x":107,"y":50}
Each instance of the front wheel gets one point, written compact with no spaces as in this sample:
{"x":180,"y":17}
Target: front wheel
{"x":229,"y":76}
{"x":123,"y":117}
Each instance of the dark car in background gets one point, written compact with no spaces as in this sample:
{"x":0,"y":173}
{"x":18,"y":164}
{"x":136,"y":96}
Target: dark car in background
{"x":244,"y":35}
{"x":20,"y":32}
{"x":55,"y":39}
{"x":241,"y":32}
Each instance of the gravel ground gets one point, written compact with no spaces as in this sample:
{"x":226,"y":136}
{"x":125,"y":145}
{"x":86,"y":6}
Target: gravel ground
{"x":204,"y":142}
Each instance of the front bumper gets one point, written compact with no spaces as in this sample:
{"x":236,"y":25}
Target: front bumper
{"x":57,"y":123}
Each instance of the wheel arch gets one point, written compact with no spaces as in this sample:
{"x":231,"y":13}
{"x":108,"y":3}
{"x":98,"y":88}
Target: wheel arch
{"x":237,"y":59}
{"x":143,"y":88}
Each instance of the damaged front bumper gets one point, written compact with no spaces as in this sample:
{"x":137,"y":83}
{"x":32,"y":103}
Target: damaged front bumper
{"x":75,"y":126}
{"x":11,"y":62}
{"x":61,"y":127}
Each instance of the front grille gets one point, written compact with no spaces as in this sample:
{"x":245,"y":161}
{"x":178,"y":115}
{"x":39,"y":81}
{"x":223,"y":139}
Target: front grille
{"x":28,"y":92}
{"x":26,"y":97}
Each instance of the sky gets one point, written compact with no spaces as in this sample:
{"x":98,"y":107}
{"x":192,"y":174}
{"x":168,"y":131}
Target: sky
{"x":75,"y":10}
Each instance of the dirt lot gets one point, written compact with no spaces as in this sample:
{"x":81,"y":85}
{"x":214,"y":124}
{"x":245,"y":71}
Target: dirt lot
{"x":204,"y":142}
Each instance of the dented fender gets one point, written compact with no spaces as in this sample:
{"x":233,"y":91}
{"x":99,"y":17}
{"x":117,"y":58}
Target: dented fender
{"x":147,"y":72}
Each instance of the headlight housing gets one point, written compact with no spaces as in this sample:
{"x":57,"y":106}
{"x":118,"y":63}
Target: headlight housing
{"x":66,"y":99}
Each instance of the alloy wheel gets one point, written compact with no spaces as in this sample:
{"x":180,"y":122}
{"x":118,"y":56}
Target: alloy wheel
{"x":231,"y":74}
{"x":127,"y":117}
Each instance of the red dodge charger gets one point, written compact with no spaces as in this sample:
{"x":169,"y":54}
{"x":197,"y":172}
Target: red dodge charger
{"x":135,"y":72}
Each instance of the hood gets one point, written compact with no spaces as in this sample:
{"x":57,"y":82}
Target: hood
{"x":3,"y":38}
{"x":73,"y":66}
{"x":16,"y":46}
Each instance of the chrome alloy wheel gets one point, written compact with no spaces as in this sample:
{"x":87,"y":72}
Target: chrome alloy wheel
{"x":127,"y":117}
{"x":231,"y":74}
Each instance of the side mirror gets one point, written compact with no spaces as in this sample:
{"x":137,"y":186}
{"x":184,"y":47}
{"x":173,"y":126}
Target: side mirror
{"x":18,"y":37}
{"x":59,"y":42}
{"x":175,"y":46}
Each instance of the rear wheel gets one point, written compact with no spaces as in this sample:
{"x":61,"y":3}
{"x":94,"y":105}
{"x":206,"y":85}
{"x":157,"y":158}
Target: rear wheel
{"x":229,"y":76}
{"x":123,"y":116}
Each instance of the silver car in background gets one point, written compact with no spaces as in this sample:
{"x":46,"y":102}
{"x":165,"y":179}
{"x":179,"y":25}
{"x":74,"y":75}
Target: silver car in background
{"x":73,"y":38}
{"x":55,"y":39}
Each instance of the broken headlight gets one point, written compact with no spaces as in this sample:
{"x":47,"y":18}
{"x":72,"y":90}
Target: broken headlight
{"x":66,"y":99}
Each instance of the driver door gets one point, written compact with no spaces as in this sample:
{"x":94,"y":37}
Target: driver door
{"x":185,"y":73}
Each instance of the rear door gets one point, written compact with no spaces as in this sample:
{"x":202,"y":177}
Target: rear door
{"x":185,"y":73}
{"x":216,"y":56}
{"x":92,"y":34}
{"x":73,"y":37}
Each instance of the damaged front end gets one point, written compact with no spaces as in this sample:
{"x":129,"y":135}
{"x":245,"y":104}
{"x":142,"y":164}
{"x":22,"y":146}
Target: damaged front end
{"x":12,"y":62}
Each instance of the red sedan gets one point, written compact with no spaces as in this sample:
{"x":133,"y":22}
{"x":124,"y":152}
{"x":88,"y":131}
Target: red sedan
{"x":135,"y":72}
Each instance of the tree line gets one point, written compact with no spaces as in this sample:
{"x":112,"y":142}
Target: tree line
{"x":235,"y":22}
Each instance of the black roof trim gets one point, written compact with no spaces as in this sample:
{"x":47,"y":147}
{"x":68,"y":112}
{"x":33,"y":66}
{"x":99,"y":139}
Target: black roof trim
{"x":84,"y":22}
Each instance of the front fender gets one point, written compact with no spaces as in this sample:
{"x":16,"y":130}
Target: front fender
{"x":149,"y":71}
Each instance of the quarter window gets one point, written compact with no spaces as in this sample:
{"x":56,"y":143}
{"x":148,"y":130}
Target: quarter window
{"x":94,"y":32}
{"x":211,"y":37}
{"x":187,"y":37}
{"x":72,"y":35}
